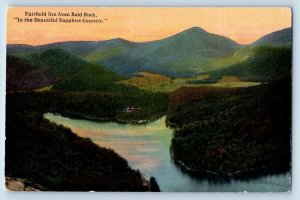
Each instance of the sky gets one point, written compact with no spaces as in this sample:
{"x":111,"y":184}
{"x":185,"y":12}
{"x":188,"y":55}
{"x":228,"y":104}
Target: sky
{"x":243,"y":25}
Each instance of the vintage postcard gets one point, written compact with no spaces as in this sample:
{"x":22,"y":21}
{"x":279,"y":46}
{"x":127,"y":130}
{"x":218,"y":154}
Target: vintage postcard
{"x":148,"y":99}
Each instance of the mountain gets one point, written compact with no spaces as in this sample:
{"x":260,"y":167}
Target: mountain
{"x":18,"y":48}
{"x":267,"y":63}
{"x":269,"y":58}
{"x":93,"y":78}
{"x":281,"y":37}
{"x":56,"y":62}
{"x":28,"y":71}
{"x":184,"y":54}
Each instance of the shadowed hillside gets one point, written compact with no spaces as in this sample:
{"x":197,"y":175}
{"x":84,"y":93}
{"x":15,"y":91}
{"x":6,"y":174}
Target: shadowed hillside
{"x":232,"y":131}
{"x":57,"y":159}
{"x":30,"y":71}
{"x":267,"y":63}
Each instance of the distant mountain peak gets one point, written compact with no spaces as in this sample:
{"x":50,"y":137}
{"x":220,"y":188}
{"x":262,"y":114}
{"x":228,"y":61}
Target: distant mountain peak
{"x":196,"y":28}
{"x":193,"y":31}
{"x":117,"y":39}
{"x":280,"y":37}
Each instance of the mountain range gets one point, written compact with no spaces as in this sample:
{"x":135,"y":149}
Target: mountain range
{"x":188,"y":53}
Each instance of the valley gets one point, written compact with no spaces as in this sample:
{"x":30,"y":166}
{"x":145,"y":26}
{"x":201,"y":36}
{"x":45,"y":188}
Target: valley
{"x":227,"y":111}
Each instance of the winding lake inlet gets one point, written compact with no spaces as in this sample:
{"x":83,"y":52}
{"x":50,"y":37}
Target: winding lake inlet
{"x":147,"y":148}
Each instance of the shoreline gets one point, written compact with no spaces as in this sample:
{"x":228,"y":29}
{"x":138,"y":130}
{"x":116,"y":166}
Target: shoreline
{"x":141,"y":121}
{"x":258,"y":171}
{"x":75,"y":115}
{"x":239,"y":174}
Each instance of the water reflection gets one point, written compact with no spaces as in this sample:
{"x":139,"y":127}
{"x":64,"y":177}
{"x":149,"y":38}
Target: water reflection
{"x":147,"y":148}
{"x":222,"y":179}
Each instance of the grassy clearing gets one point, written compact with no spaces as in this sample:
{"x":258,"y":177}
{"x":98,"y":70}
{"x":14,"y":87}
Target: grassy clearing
{"x":157,"y":82}
{"x":229,"y":79}
{"x":145,"y":80}
{"x":43,"y":89}
{"x":232,"y":84}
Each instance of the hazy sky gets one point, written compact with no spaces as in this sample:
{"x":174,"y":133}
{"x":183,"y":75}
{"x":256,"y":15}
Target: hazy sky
{"x":243,"y":25}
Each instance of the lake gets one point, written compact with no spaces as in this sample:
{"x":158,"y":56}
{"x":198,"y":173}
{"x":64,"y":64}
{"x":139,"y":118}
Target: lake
{"x":147,"y":148}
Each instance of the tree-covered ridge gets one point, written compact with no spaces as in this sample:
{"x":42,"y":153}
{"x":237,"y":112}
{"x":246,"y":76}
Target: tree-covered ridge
{"x":94,"y":105}
{"x":29,"y":71}
{"x":232,"y":131}
{"x":92,"y":78}
{"x":57,"y":62}
{"x":266,"y":64}
{"x":59,"y":160}
{"x":21,"y":74}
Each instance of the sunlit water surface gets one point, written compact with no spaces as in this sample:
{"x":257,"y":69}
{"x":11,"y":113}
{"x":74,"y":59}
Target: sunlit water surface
{"x":147,"y":148}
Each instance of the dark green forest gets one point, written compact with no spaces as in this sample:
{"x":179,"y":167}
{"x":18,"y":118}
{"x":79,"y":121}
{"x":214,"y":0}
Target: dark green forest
{"x":59,"y":160}
{"x":97,"y":106}
{"x":232,"y":131}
